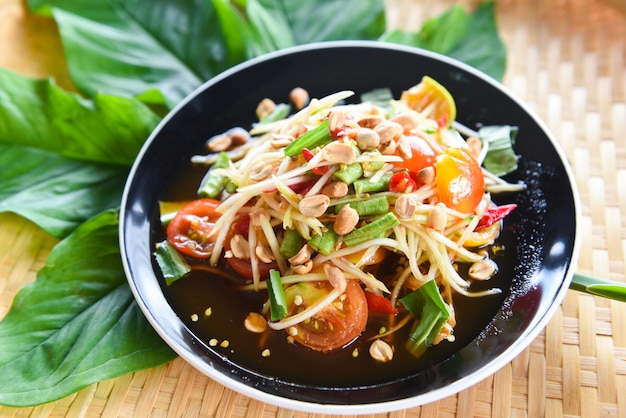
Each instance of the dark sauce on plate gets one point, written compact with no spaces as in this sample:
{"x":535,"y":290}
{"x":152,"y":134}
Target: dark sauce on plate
{"x":213,"y":308}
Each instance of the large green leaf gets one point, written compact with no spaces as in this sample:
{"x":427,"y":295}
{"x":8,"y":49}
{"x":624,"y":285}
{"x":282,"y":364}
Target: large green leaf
{"x":328,"y":20}
{"x":37,"y":113}
{"x":55,"y":192}
{"x":128,"y":47}
{"x":77,"y":324}
{"x":469,"y":37}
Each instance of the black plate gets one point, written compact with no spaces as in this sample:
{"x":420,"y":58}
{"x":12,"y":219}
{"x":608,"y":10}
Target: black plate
{"x":541,"y":243}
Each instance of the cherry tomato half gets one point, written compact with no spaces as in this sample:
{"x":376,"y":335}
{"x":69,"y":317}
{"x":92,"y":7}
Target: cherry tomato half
{"x":189,"y":230}
{"x":240,"y":266}
{"x":422,"y":155}
{"x":460,"y":180}
{"x":335,"y":326}
{"x":244,"y":268}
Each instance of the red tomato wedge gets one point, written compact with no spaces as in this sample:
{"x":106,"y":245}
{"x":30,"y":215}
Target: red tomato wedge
{"x":337,"y":324}
{"x":460,"y":180}
{"x":422,"y":155}
{"x":189,"y":230}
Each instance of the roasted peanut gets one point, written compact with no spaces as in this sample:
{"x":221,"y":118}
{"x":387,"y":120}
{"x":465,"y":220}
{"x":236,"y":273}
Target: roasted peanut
{"x":303,"y":268}
{"x":370,"y":121}
{"x":260,"y":171}
{"x":336,"y":277}
{"x":346,"y":220}
{"x":265,"y":107}
{"x":426,"y":175}
{"x":381,"y":351}
{"x":314,"y":206}
{"x":339,"y":153}
{"x":405,"y":207}
{"x":263,"y":254}
{"x":335,"y":189}
{"x":482,"y":270}
{"x":255,"y":322}
{"x":302,"y":256}
{"x":299,"y":97}
{"x":387,"y":149}
{"x":404,"y":148}
{"x":238,"y":136}
{"x":336,"y":120}
{"x":388,"y":131}
{"x":367,"y":139}
{"x":438,"y":217}
{"x":219,"y":143}
{"x":239,"y":247}
{"x":407,"y":120}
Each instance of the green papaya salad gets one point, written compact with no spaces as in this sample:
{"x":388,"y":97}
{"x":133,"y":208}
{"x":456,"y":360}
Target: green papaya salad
{"x":338,"y":211}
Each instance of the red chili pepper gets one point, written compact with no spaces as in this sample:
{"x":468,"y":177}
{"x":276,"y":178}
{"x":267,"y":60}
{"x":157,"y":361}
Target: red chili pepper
{"x":493,"y":215}
{"x":401,"y":182}
{"x":376,"y":303}
{"x":308,"y":155}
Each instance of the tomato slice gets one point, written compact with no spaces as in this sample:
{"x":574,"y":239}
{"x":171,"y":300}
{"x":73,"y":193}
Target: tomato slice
{"x":240,"y":266}
{"x":335,"y":326}
{"x":460,"y":180}
{"x":189,"y":230}
{"x":244,"y":268}
{"x":422,"y":155}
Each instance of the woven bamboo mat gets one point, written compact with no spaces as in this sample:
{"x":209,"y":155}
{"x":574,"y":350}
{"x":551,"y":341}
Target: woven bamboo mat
{"x":568,"y":61}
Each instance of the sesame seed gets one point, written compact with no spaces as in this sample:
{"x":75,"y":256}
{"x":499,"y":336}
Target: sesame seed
{"x":266,"y":352}
{"x":194,"y":317}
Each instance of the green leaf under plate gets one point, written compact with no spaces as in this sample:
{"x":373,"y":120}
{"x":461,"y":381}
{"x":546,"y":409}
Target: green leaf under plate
{"x":77,"y":324}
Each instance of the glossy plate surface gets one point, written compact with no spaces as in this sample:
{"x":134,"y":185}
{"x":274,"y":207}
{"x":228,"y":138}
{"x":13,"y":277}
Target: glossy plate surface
{"x":542,"y":234}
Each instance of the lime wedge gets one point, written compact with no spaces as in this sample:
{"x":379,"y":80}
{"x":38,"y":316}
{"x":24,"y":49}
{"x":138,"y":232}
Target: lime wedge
{"x":432,"y":99}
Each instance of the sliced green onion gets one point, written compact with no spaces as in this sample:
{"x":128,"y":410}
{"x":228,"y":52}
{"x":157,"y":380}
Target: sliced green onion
{"x":371,"y":230}
{"x":278,"y":304}
{"x":378,"y":205}
{"x":324,"y":243}
{"x":599,"y":287}
{"x":212,"y":184}
{"x":425,"y":304}
{"x":291,"y":244}
{"x":316,"y":137}
{"x":172,"y":264}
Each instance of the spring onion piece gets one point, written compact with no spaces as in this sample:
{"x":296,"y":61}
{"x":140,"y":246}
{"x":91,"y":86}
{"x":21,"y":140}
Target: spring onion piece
{"x":378,"y":205}
{"x":599,"y":287}
{"x":500,"y":158}
{"x":371,"y":230}
{"x":212,"y":184}
{"x":425,"y":304}
{"x":278,"y":304}
{"x":316,"y":137}
{"x":172,"y":264}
